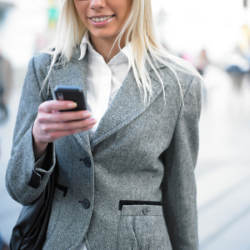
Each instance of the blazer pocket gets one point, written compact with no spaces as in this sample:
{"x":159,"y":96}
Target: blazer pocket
{"x":142,"y":227}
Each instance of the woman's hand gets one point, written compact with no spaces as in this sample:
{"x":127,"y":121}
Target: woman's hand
{"x":51,"y":124}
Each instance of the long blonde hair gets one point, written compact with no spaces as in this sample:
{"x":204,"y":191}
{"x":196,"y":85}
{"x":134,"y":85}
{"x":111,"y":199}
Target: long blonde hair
{"x":138,"y":31}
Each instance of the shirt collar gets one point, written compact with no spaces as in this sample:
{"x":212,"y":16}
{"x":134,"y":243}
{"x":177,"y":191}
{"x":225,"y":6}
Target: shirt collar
{"x":123,"y":56}
{"x":84,"y":45}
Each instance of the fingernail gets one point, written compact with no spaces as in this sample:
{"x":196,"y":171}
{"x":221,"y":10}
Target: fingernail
{"x":92,"y":120}
{"x":72,"y":105}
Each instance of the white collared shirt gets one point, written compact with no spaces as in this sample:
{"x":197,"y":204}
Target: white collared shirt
{"x":103,"y":79}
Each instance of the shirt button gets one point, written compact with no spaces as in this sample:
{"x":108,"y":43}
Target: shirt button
{"x":86,"y":161}
{"x":85,"y":203}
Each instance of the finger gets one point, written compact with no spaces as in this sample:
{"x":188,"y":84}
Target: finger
{"x":67,"y":126}
{"x":58,"y":134}
{"x":64,"y":116}
{"x":55,"y":105}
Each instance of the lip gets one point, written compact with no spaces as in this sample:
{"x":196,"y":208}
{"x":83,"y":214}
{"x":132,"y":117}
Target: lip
{"x":101,"y":23}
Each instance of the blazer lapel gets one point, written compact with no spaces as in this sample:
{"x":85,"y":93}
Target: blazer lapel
{"x":72,"y":73}
{"x":127,"y":105}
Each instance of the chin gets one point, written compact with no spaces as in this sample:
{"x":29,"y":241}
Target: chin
{"x":104,"y":35}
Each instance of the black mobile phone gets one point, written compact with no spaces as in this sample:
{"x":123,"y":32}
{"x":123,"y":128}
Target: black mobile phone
{"x":70,"y":93}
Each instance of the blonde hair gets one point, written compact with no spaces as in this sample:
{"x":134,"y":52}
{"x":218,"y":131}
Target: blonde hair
{"x":138,"y":31}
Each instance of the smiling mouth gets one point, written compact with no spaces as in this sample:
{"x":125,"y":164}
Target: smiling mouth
{"x":101,"y":18}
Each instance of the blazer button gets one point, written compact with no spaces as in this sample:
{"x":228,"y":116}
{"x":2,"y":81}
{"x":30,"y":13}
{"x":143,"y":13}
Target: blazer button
{"x":85,"y":203}
{"x":145,"y":211}
{"x":86,"y":161}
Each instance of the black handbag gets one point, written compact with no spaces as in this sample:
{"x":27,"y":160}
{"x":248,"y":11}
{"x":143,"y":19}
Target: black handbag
{"x":30,"y":230}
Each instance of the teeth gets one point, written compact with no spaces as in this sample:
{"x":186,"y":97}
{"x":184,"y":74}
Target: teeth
{"x":100,"y":19}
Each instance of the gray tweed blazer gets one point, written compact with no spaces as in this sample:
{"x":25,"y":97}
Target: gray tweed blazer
{"x":129,"y":186}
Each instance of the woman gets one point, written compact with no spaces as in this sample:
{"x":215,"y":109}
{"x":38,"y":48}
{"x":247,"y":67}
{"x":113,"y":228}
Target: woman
{"x":126,"y":166}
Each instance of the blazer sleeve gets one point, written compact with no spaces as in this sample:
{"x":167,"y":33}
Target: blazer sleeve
{"x":22,"y":164}
{"x":179,"y":186}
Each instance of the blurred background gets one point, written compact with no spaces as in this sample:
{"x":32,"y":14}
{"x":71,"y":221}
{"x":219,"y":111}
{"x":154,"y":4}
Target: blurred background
{"x":215,"y":37}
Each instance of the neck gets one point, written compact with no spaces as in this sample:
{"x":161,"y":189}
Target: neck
{"x":106,"y":48}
